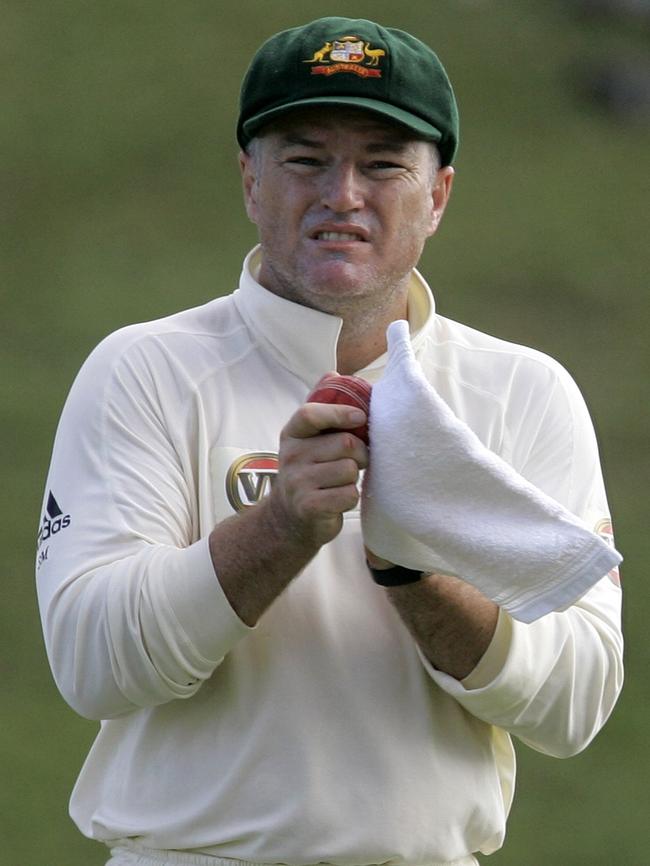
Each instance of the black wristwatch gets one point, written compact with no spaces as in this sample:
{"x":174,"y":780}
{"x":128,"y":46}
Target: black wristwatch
{"x":397,"y":575}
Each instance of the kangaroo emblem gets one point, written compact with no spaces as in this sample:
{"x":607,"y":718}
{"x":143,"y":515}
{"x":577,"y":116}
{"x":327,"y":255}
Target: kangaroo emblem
{"x":373,"y":53}
{"x":319,"y":56}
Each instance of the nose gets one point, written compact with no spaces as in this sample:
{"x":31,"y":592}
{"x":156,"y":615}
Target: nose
{"x":342,"y":189}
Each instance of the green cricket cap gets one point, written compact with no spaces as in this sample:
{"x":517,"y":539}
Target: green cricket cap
{"x":351,"y":62}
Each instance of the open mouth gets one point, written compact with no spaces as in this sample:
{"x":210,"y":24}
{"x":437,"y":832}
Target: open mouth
{"x":338,"y":236}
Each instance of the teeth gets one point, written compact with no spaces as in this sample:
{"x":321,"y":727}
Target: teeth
{"x":338,"y":236}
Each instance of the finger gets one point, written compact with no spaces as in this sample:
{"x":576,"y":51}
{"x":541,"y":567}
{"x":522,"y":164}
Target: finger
{"x":338,"y":445}
{"x":322,"y":449}
{"x":334,"y":473}
{"x":301,"y":478}
{"x":312,"y":418}
{"x":330,"y":501}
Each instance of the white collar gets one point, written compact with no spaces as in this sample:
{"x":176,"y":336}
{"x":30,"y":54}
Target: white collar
{"x":305,"y":340}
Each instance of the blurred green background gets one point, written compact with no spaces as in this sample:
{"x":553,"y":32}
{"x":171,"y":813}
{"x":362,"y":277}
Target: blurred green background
{"x":121,"y":202}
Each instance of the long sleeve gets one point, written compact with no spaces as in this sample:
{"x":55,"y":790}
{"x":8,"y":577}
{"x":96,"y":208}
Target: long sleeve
{"x":132,"y":611}
{"x":553,"y":683}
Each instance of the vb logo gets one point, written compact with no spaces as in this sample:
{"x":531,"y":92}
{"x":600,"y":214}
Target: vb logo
{"x":250,"y":478}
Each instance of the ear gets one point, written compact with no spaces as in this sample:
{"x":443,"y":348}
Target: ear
{"x":247,"y":166}
{"x":440,"y":195}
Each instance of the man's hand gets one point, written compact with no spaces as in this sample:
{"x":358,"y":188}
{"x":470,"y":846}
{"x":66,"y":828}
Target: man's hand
{"x":318,"y":472}
{"x":258,"y":552}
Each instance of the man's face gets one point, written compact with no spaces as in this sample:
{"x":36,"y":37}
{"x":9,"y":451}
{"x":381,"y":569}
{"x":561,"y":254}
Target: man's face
{"x":343,"y":203}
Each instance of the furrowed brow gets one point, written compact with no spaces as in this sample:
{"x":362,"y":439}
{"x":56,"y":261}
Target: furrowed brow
{"x":388,"y":146}
{"x":292,"y":140}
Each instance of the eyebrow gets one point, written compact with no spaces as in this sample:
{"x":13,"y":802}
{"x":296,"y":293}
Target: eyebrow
{"x":392,"y":144}
{"x":290,"y":140}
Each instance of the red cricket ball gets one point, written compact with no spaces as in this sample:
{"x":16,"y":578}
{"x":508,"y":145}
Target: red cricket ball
{"x":348,"y":390}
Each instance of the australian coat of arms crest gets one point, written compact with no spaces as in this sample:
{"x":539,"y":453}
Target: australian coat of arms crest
{"x":347,"y":54}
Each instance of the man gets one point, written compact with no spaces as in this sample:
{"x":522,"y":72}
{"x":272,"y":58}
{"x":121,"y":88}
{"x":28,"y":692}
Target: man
{"x":206,"y":592}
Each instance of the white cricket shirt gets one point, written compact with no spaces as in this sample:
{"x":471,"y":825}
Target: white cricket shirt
{"x":321,"y":735}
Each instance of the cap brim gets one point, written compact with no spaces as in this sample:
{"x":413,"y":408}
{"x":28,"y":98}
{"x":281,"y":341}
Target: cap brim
{"x":424,"y":130}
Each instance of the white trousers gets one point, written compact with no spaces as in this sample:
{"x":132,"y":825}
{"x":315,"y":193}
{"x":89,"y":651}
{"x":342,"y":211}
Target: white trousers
{"x":129,"y":853}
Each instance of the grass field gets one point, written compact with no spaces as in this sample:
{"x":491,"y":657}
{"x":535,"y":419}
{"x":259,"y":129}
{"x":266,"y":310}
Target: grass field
{"x":121,"y":203}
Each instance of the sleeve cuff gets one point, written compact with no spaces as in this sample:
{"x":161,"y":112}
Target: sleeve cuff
{"x":487,"y":671}
{"x":200,"y":605}
{"x":494,"y":658}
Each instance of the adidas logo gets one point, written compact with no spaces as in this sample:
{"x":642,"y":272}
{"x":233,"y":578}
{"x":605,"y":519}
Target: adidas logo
{"x":54,"y":520}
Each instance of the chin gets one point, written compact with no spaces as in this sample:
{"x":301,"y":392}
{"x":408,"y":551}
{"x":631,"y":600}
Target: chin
{"x":342,"y":278}
{"x":343,"y":291}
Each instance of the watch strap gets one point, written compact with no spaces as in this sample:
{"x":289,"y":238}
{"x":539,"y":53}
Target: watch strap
{"x":398,"y":575}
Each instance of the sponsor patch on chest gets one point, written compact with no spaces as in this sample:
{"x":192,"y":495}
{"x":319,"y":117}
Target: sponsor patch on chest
{"x":250,"y":477}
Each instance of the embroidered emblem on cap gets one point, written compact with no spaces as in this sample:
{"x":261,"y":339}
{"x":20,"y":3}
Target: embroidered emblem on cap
{"x":347,"y":54}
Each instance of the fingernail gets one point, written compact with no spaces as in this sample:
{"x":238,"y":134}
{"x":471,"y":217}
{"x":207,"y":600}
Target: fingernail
{"x":357,"y":416}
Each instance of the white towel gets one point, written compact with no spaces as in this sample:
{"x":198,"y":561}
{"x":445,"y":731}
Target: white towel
{"x":436,"y":499}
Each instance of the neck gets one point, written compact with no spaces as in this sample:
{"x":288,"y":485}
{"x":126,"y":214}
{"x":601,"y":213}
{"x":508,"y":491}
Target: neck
{"x":363,"y":335}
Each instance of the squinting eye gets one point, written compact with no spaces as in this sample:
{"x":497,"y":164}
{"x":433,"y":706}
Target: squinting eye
{"x":304,"y":160}
{"x":382,"y":165}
